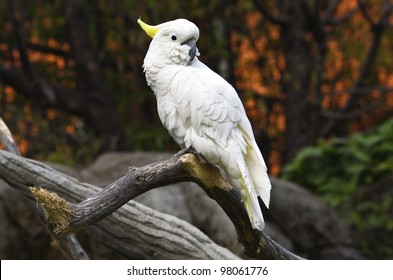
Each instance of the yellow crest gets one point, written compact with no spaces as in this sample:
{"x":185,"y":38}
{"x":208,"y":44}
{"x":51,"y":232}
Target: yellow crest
{"x":149,"y":29}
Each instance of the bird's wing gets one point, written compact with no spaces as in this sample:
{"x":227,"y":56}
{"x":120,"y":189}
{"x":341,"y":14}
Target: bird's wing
{"x":209,"y":108}
{"x":209,"y":116}
{"x":230,"y":114}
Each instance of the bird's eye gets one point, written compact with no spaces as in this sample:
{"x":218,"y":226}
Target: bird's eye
{"x":174,"y":38}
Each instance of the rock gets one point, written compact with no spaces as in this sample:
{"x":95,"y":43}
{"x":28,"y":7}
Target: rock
{"x":315,"y":229}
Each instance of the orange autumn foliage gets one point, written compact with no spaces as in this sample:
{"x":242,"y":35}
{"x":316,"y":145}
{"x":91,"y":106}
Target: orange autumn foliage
{"x":260,"y":68}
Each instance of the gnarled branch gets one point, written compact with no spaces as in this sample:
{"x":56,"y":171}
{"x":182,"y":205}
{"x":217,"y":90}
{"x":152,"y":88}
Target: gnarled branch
{"x":184,"y":166}
{"x":6,"y":138}
{"x":68,"y":245}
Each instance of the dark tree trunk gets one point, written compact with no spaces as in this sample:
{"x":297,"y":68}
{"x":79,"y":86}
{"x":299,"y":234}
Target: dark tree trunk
{"x":99,"y":103}
{"x":296,"y":79}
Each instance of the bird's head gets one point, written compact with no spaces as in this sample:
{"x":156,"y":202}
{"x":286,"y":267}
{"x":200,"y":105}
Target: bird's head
{"x":174,"y":42}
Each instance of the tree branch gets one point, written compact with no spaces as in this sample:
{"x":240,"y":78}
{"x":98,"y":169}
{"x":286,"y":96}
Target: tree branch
{"x":93,"y":102}
{"x":6,"y":138}
{"x":331,"y":9}
{"x":53,"y":96}
{"x":48,"y":50}
{"x":276,"y":19}
{"x":20,"y":39}
{"x":362,"y":91}
{"x":363,"y":9}
{"x":134,"y":230}
{"x":355,"y":114}
{"x":68,"y":245}
{"x":181,"y":167}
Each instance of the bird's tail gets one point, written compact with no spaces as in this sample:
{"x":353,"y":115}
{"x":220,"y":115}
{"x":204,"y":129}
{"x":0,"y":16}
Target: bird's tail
{"x":257,"y":169}
{"x":249,"y":197}
{"x":254,"y":182}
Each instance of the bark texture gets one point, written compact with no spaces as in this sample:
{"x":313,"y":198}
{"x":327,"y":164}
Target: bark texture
{"x":134,"y":230}
{"x":296,"y":219}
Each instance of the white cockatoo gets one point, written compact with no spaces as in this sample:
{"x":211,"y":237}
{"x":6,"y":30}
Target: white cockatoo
{"x":202,"y":110}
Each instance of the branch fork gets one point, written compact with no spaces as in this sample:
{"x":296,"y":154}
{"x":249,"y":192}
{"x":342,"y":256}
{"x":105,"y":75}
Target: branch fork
{"x":183,"y":166}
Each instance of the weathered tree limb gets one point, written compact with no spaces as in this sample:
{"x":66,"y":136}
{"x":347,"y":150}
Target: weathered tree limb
{"x":183,"y":166}
{"x":6,"y":138}
{"x":68,"y":245}
{"x":134,"y":222}
{"x":134,"y":230}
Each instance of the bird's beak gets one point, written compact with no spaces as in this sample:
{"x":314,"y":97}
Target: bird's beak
{"x":192,"y":44}
{"x":149,"y":29}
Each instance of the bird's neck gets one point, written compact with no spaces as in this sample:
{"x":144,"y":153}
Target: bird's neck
{"x":159,"y":77}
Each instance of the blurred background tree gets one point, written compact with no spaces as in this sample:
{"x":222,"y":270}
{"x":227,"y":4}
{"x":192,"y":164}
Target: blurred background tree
{"x":72,"y":80}
{"x":72,"y":84}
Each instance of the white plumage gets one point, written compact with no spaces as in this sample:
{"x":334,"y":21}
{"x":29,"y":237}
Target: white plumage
{"x":203,"y":111}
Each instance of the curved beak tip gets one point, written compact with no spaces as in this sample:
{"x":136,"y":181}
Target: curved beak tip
{"x":193,"y":49}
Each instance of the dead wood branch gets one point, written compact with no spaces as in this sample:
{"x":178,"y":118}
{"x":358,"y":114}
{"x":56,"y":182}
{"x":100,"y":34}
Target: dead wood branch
{"x":134,"y":230}
{"x":68,"y":245}
{"x":6,"y":138}
{"x":183,"y":240}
